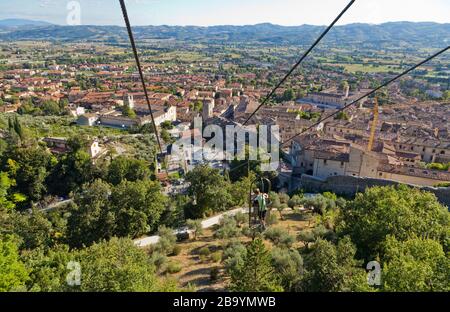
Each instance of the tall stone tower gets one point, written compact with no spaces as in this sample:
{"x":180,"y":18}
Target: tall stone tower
{"x":208,"y":108}
{"x":347,"y":91}
{"x":128,"y":100}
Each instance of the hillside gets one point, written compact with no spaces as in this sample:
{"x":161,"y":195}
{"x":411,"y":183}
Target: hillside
{"x":17,"y":22}
{"x":425,"y":34}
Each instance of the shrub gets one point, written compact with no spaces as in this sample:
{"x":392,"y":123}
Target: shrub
{"x":216,"y":256}
{"x":227,"y":228}
{"x":280,"y":209}
{"x":279,"y":237}
{"x":167,"y":240}
{"x":240,"y":218}
{"x":195,"y":226}
{"x":274,"y":200}
{"x":286,"y":240}
{"x":288,"y":263}
{"x":274,"y":234}
{"x":204,"y":251}
{"x":271,"y":219}
{"x":173,"y":267}
{"x":256,"y":273}
{"x":158,"y":260}
{"x":295,"y":201}
{"x":319,"y":203}
{"x":247,"y":231}
{"x":319,"y":231}
{"x":214,"y":274}
{"x":176,"y":250}
{"x":306,"y":237}
{"x":284,"y":198}
{"x":233,"y":256}
{"x":330,"y":195}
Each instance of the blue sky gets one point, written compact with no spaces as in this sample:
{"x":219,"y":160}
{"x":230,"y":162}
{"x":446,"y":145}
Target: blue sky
{"x":233,"y":12}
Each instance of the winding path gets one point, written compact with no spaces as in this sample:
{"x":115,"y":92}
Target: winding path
{"x":150,"y":240}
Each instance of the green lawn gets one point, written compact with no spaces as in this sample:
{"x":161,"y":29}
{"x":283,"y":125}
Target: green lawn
{"x":57,"y":126}
{"x":353,"y":68}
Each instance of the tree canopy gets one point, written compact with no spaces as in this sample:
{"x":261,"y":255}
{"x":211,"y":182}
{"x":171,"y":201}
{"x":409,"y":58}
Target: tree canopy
{"x":402,"y":212}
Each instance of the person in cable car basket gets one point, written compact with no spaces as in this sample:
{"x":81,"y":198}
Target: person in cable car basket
{"x":261,"y":199}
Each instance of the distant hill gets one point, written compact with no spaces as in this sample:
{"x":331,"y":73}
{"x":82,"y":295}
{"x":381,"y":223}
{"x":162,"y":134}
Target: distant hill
{"x":15,"y":22}
{"x":426,"y":34}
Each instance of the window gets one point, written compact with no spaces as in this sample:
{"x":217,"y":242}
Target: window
{"x":442,"y":152}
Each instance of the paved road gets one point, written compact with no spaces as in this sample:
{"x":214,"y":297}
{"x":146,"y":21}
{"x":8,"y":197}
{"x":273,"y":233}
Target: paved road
{"x":150,"y":240}
{"x":56,"y":205}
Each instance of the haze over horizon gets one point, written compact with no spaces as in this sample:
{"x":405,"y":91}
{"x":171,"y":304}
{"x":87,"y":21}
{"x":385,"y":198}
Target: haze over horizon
{"x":233,"y":12}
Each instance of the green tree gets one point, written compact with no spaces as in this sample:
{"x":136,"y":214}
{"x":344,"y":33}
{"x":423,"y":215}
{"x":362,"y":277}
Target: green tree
{"x":195,"y":226}
{"x":257,"y":273}
{"x":13,"y":274}
{"x":233,"y":256}
{"x":227,"y":228}
{"x":29,"y":167}
{"x":209,"y":189}
{"x":333,"y":268}
{"x":48,"y":268}
{"x":137,"y":207}
{"x":165,"y":135}
{"x":6,"y":183}
{"x":295,"y":201}
{"x":128,"y":112}
{"x":415,"y":265}
{"x":446,"y":95}
{"x":319,"y":203}
{"x":72,"y":171}
{"x":119,"y":266}
{"x":342,"y":116}
{"x":91,"y":216}
{"x":167,"y":240}
{"x":51,"y":108}
{"x":306,"y":237}
{"x":34,"y":229}
{"x":18,"y":128}
{"x":167,"y":125}
{"x":239,"y":190}
{"x":124,"y":168}
{"x":288,"y":264}
{"x":288,"y":95}
{"x":402,"y":212}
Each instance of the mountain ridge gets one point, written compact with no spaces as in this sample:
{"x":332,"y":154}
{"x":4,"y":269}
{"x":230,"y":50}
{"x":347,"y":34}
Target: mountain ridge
{"x":15,"y":22}
{"x":417,"y":33}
